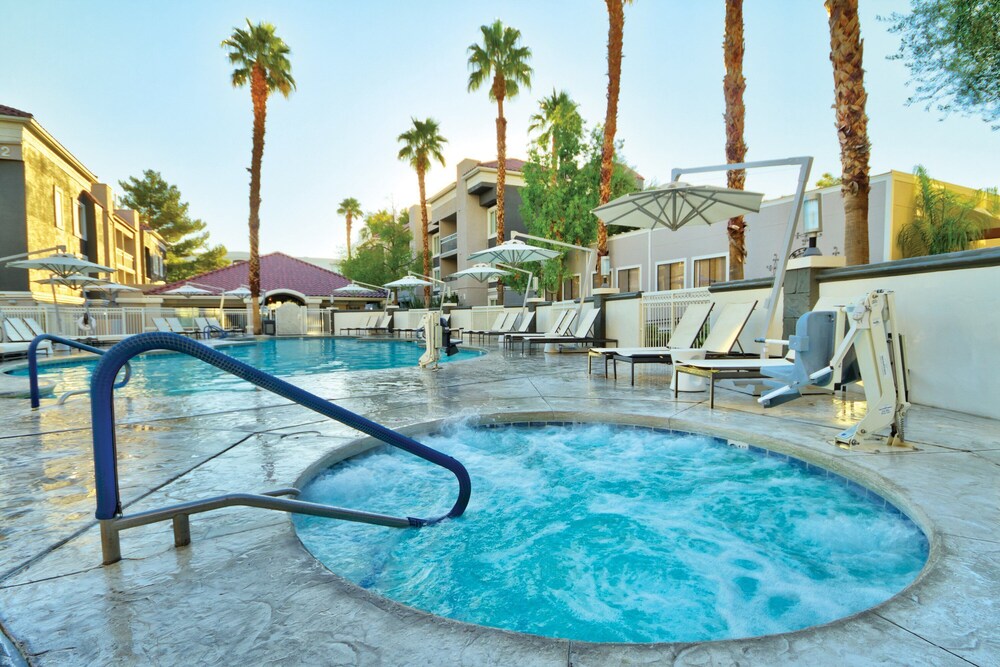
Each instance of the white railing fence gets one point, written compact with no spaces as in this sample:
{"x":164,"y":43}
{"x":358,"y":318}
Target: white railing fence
{"x":319,"y":322}
{"x":483,"y":317}
{"x":120,"y":322}
{"x":660,"y":312}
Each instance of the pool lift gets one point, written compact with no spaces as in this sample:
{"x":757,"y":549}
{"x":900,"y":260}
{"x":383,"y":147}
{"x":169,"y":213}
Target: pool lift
{"x":872,"y":352}
{"x":437,"y":331}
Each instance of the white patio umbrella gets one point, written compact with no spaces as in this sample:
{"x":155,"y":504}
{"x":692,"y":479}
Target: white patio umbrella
{"x":481,"y":272}
{"x":513,"y":251}
{"x":409,"y":281}
{"x":61,"y":264}
{"x":353,"y":289}
{"x":187,"y":290}
{"x":677,"y":204}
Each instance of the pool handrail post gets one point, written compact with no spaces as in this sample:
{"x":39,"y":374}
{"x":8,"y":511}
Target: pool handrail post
{"x":69,"y":342}
{"x":109,"y":506}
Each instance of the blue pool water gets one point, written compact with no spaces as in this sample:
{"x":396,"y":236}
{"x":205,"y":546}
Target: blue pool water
{"x":604,"y":533}
{"x":286,"y":357}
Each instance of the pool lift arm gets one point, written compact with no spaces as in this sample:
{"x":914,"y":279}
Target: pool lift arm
{"x":872,"y":352}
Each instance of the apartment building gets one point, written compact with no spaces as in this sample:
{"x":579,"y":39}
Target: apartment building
{"x":49,"y":198}
{"x":698,"y":255}
{"x":462,"y":219}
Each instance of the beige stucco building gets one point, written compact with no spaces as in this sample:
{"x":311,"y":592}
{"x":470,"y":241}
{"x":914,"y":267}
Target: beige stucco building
{"x":462,"y":220}
{"x":49,"y":198}
{"x":698,"y":255}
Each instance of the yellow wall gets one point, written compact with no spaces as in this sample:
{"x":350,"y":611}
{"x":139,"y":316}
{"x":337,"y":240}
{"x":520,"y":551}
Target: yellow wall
{"x":904,"y":191}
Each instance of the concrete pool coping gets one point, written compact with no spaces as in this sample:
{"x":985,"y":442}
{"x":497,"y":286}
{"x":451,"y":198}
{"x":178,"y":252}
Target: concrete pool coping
{"x":247,"y":576}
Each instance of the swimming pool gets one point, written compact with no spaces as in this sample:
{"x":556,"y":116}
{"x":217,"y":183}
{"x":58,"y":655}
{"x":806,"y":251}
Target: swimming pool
{"x":157,"y":374}
{"x":605,"y":533}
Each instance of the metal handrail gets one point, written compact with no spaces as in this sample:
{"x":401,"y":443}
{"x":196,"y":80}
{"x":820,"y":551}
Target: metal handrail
{"x":109,"y":506}
{"x":33,"y":365}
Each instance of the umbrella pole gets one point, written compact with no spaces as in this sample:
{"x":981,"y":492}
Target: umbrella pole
{"x":55,"y":304}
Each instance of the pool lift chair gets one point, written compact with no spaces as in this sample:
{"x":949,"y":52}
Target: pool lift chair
{"x":437,"y":330}
{"x":872,"y":352}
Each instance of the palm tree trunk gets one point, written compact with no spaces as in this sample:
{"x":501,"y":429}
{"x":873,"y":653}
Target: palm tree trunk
{"x":501,"y":180}
{"x":258,"y":93}
{"x":423,"y":233}
{"x":846,"y":50}
{"x":616,"y":27}
{"x":348,"y":235}
{"x":733,"y":85}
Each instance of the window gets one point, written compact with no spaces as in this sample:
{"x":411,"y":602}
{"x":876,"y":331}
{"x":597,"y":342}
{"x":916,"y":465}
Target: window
{"x":491,"y":223}
{"x":80,"y":221}
{"x":57,"y":202}
{"x":596,"y":280}
{"x":436,"y":273}
{"x":628,"y":279}
{"x":709,"y":270}
{"x":436,"y":245}
{"x":670,"y":276}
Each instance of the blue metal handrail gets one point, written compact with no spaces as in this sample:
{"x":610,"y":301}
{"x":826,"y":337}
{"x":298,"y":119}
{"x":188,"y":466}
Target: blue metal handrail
{"x":109,"y":506}
{"x":211,"y":328}
{"x":33,"y":362}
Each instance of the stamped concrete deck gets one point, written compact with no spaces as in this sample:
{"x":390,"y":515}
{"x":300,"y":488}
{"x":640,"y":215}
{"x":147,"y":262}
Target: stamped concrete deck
{"x":246,"y":591}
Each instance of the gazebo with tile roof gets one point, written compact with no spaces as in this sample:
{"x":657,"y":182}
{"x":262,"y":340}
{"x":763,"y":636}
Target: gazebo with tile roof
{"x":282,"y":278}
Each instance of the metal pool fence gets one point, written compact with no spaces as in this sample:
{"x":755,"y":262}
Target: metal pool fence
{"x":660,"y":312}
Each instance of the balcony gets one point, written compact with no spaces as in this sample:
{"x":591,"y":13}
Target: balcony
{"x":449,"y":244}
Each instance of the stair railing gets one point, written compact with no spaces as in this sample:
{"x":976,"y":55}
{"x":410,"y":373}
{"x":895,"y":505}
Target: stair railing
{"x":69,"y":342}
{"x":109,"y":506}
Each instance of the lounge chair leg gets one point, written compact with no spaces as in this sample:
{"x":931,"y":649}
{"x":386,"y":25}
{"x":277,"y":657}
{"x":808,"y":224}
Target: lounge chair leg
{"x":711,"y":393}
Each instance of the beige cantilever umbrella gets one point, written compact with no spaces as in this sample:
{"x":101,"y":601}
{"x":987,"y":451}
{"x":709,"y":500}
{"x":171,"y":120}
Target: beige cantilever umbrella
{"x":677,"y":204}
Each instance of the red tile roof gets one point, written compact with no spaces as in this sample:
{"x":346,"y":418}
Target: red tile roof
{"x":11,"y":111}
{"x":513,"y":164}
{"x":278,"y":271}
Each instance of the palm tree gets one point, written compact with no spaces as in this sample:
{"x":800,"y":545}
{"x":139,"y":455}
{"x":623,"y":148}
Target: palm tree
{"x":503,"y":62}
{"x":261,"y":58}
{"x":349,"y":208}
{"x":616,"y":29}
{"x":846,"y":50}
{"x":946,"y":221}
{"x":421,"y":143}
{"x":554,"y":111}
{"x":733,"y":85}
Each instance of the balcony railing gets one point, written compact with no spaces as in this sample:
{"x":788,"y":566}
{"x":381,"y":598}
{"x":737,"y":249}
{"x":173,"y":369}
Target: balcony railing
{"x":449,"y":244}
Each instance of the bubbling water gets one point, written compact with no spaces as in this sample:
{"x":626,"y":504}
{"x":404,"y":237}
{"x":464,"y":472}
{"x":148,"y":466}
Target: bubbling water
{"x":605,"y":533}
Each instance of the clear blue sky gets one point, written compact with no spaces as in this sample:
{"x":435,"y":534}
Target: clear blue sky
{"x":128,"y":86}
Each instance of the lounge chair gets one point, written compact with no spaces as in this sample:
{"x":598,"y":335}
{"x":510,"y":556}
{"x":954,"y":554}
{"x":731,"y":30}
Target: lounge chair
{"x":17,"y":336}
{"x":176,"y":327}
{"x":722,"y":338}
{"x":498,"y":324}
{"x":560,"y":327}
{"x":582,"y":335}
{"x":381,"y":325}
{"x":162,"y":325}
{"x":809,"y":350}
{"x":370,"y":321}
{"x":509,"y":326}
{"x":214,"y":322}
{"x":206,"y":328}
{"x":684,"y":336}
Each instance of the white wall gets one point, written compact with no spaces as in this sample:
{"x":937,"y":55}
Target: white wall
{"x":951,"y":321}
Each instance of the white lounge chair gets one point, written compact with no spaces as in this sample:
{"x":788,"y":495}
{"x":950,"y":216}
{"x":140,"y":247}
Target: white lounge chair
{"x":722,"y":338}
{"x":559,"y":327}
{"x":684,"y":335}
{"x":582,"y":335}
